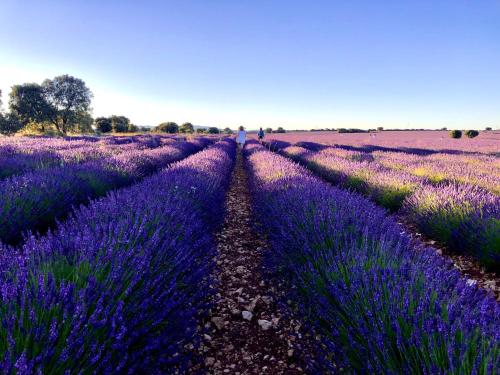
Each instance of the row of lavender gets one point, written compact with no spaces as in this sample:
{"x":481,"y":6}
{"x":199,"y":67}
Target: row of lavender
{"x":463,"y":216}
{"x":23,"y":154}
{"x":119,"y":286}
{"x":36,"y":199}
{"x":378,"y":304}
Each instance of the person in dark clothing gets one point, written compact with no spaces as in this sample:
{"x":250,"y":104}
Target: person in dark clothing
{"x":260,"y":135}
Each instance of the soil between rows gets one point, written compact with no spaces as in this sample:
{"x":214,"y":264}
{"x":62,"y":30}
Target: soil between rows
{"x":246,"y":331}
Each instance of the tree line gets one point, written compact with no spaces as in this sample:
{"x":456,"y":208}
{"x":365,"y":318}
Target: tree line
{"x":62,"y":103}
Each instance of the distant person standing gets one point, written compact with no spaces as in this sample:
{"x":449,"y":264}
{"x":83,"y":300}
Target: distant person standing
{"x":241,"y":137}
{"x":260,"y":134}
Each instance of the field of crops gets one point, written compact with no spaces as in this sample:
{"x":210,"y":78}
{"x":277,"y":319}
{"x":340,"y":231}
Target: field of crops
{"x":130,"y":254}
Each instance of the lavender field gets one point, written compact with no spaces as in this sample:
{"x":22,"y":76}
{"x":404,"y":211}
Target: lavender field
{"x":309,"y":253}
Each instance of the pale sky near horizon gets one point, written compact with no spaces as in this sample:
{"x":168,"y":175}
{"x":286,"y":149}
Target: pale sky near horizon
{"x":296,"y":64}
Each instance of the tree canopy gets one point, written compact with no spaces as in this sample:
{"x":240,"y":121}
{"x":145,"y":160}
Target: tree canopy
{"x":120,"y":124}
{"x":167,"y":127}
{"x":28,"y":104}
{"x":471,"y":133}
{"x":103,"y":124}
{"x":9,"y":124}
{"x":63,"y":102}
{"x":187,"y":127}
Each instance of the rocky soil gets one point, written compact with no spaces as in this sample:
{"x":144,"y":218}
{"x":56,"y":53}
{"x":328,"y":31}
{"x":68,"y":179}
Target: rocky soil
{"x":466,"y":264}
{"x":246,"y":333}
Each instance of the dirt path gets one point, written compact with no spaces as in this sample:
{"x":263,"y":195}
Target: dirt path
{"x":246,"y":332}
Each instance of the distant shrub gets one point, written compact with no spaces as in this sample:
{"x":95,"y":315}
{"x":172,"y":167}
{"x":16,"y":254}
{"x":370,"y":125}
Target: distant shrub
{"x":120,"y":124}
{"x":471,"y":133}
{"x":269,"y":130}
{"x":132,"y":128}
{"x":167,"y":127}
{"x":103,"y":124}
{"x":280,"y":130}
{"x":456,"y":134}
{"x":187,"y":127}
{"x":488,"y":128}
{"x":353,"y":130}
{"x":380,"y":128}
{"x":213,"y":130}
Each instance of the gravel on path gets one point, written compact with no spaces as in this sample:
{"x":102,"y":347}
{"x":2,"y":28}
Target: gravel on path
{"x":246,"y":333}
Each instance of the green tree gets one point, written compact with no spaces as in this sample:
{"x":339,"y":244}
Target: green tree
{"x":269,"y":130}
{"x":119,"y":124}
{"x":228,"y":131}
{"x":83,"y":123}
{"x":133,"y":128}
{"x":380,"y":128}
{"x":9,"y":124}
{"x":471,"y":133}
{"x":167,"y":127}
{"x":187,"y":127}
{"x":201,"y":131}
{"x":103,"y":124}
{"x":213,"y":130}
{"x":27,"y":103}
{"x":280,"y":130}
{"x":68,"y":97}
{"x":456,"y":134}
{"x":488,"y":128}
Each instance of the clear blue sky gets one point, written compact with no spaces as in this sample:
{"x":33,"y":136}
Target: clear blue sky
{"x":304,"y":64}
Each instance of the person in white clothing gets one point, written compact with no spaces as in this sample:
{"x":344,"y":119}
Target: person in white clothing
{"x":241,"y":137}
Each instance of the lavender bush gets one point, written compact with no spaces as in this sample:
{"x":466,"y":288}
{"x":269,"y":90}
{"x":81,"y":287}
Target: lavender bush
{"x":462,"y":216}
{"x":465,"y":217}
{"x":378,"y":304}
{"x":33,"y":201}
{"x":118,"y":287}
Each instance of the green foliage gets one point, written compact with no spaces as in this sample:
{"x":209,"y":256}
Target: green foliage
{"x":380,"y":128}
{"x":354,"y":130}
{"x":471,"y":133}
{"x":63,"y":102}
{"x":83,"y":123}
{"x":167,"y":127}
{"x":133,"y":128}
{"x":488,"y":128}
{"x":201,"y":131}
{"x":103,"y":124}
{"x":68,"y":98}
{"x":9,"y":124}
{"x":187,"y":127}
{"x":456,"y":134}
{"x":280,"y":130}
{"x":28,"y":104}
{"x":120,"y":124}
{"x":269,"y":130}
{"x":213,"y":130}
{"x":228,"y":131}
